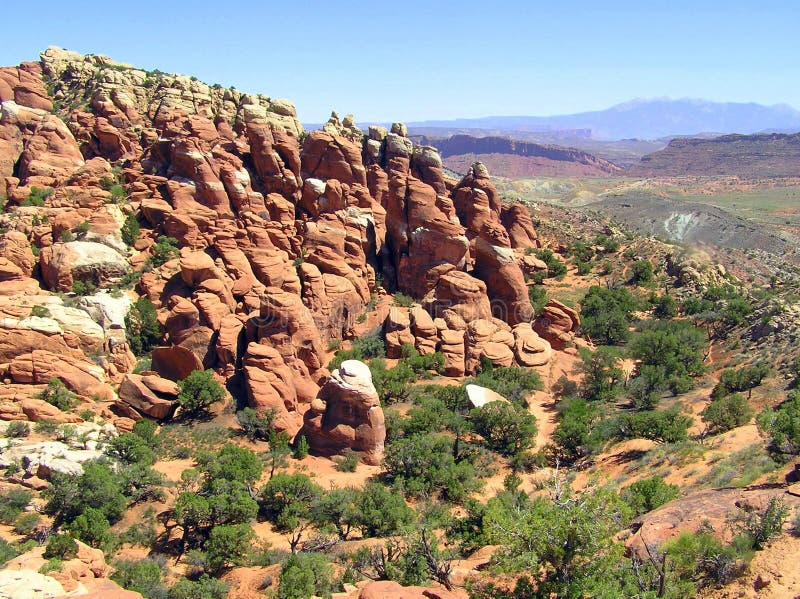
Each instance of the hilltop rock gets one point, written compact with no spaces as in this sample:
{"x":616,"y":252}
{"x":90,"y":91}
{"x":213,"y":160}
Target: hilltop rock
{"x":347,"y":414}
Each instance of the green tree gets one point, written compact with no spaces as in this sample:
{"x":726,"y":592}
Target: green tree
{"x":782,"y":424}
{"x":228,"y":545}
{"x":142,"y":328}
{"x":232,"y":463}
{"x":199,"y":391}
{"x":647,"y":494}
{"x":98,"y":487}
{"x":606,"y":314}
{"x":91,"y":527}
{"x":287,"y":501}
{"x":641,"y":272}
{"x":574,"y":436}
{"x":130,"y":448}
{"x":58,"y":395}
{"x":668,"y":426}
{"x":568,"y":540}
{"x":305,"y":575}
{"x":380,"y":512}
{"x":337,"y":508}
{"x":602,"y":375}
{"x":727,"y":413}
{"x":424,"y":466}
{"x":191,"y":513}
{"x":507,"y":430}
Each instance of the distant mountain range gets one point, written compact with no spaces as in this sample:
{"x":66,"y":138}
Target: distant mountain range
{"x":641,"y":119}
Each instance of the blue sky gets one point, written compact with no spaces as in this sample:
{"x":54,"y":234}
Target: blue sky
{"x":416,"y":60}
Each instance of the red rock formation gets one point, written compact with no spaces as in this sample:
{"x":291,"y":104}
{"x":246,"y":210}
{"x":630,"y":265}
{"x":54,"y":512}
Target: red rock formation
{"x":347,"y":415}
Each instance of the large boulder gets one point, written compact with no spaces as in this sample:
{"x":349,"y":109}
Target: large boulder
{"x":557,"y":324}
{"x":149,"y":395}
{"x":347,"y":415}
{"x":87,"y":261}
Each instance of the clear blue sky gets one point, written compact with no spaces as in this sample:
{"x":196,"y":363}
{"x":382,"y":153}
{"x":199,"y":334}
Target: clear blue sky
{"x":386,"y":60}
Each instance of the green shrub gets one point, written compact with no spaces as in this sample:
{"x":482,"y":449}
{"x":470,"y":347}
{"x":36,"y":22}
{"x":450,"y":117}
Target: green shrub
{"x":198,"y":392}
{"x":256,"y":425}
{"x":782,"y":424}
{"x":538,"y":297}
{"x":513,"y":383}
{"x":91,"y":527}
{"x":58,"y":395}
{"x":402,"y":300}
{"x":83,"y":287}
{"x":744,"y":379}
{"x":164,"y":250}
{"x":379,"y":512}
{"x":141,"y":576}
{"x":668,"y":426}
{"x":142,"y":329}
{"x":727,"y":413}
{"x":555,"y":266}
{"x":37,"y":196}
{"x":646,"y":495}
{"x":573,"y":437}
{"x":7,"y":552}
{"x":507,"y":430}
{"x":40,"y":312}
{"x":347,"y":462}
{"x":61,"y":546}
{"x":130,"y":229}
{"x":606,"y":314}
{"x":26,"y":524}
{"x":301,"y":448}
{"x":641,"y":272}
{"x":83,"y":228}
{"x":12,"y":502}
{"x":305,"y":575}
{"x":424,"y":466}
{"x":17,"y":429}
{"x":228,"y":545}
{"x":204,"y":587}
{"x":666,"y":307}
{"x":761,"y":526}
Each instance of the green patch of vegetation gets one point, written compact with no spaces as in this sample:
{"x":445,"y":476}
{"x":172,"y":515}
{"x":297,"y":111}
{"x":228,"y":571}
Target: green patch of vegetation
{"x":740,"y":468}
{"x":58,"y":395}
{"x":727,"y":413}
{"x":555,"y":266}
{"x":606,"y":314}
{"x":646,"y":495}
{"x":37,"y":197}
{"x":782,"y":426}
{"x":130,"y":229}
{"x":199,"y":391}
{"x":165,"y":249}
{"x":142,"y":329}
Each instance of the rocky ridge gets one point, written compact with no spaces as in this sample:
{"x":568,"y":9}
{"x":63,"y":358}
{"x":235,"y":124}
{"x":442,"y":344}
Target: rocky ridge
{"x":258,"y":243}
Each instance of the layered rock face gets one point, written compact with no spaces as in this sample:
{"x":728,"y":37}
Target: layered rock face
{"x":258,"y":243}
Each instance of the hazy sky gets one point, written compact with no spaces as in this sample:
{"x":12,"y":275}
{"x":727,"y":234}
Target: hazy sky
{"x":412,"y":60}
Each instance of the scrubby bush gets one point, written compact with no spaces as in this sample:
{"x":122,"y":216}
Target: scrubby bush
{"x":424,"y":466}
{"x":507,"y":430}
{"x":743,"y":379}
{"x":646,"y":495}
{"x":305,"y":575}
{"x":228,"y":545}
{"x":37,"y":196}
{"x":555,"y":266}
{"x":12,"y":502}
{"x":17,"y":429}
{"x":130,"y":229}
{"x":58,"y":395}
{"x":141,"y":576}
{"x":602,"y":375}
{"x":782,"y":425}
{"x":641,"y":272}
{"x":515,"y":384}
{"x":761,"y":526}
{"x":727,"y":413}
{"x":573,"y":437}
{"x":26,"y":524}
{"x":165,"y":249}
{"x":256,"y":425}
{"x":606,"y":314}
{"x":142,"y":328}
{"x":91,"y":527}
{"x":199,"y":391}
{"x":668,"y":426}
{"x":61,"y":546}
